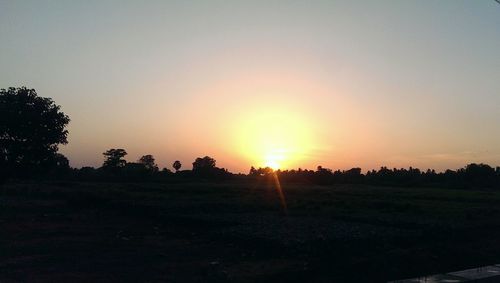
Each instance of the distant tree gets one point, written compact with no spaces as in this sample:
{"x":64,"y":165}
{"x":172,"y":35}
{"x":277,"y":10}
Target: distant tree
{"x":479,"y":170}
{"x":260,"y":171}
{"x":265,"y":171}
{"x":205,"y":168}
{"x":479,"y":174}
{"x":177,"y":165}
{"x":149,"y":163}
{"x":203,"y":164}
{"x":253,"y":171}
{"x":353,"y":175}
{"x":321,"y":169}
{"x":114,"y":158}
{"x":323,"y":175}
{"x":31,"y":130}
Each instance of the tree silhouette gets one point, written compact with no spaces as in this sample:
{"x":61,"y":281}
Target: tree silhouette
{"x":253,"y":171}
{"x":149,"y":163}
{"x":479,"y":173}
{"x":31,"y":130}
{"x":177,"y":165}
{"x":260,"y":171}
{"x":203,"y":164}
{"x":114,"y":158}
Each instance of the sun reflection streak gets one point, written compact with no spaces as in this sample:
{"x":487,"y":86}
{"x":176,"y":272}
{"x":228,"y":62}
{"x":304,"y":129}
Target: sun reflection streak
{"x":279,"y":189}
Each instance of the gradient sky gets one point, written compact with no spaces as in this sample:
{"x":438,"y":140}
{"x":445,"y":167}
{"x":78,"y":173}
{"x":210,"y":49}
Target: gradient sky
{"x":341,"y":83}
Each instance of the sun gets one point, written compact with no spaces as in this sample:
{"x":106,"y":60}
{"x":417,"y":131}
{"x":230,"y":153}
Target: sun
{"x":273,"y":164}
{"x":277,"y":138}
{"x":273,"y":161}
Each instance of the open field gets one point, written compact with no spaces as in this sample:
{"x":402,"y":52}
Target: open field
{"x":208,"y":232}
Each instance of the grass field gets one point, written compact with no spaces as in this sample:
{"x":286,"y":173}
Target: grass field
{"x":240,"y":232}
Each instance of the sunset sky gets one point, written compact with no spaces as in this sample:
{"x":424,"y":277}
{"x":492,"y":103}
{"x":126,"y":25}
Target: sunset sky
{"x":281,"y":83}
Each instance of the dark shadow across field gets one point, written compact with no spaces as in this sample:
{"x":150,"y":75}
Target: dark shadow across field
{"x":208,"y":232}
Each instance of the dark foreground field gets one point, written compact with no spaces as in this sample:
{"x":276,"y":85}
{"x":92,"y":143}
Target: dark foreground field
{"x":233,"y":232}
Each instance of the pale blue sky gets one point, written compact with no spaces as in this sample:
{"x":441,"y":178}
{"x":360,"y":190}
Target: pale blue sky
{"x":396,"y":83}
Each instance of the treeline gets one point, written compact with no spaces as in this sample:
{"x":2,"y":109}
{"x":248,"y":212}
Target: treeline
{"x":116,"y":168}
{"x":472,"y":175}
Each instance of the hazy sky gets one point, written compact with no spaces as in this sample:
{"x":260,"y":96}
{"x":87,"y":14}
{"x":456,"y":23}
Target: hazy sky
{"x":303,"y":83}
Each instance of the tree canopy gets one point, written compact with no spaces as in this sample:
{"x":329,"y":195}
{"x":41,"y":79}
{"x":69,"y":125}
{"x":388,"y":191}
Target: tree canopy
{"x":149,"y":162}
{"x":114,"y":158}
{"x":177,"y":165}
{"x":31,"y":130}
{"x":203,"y":164}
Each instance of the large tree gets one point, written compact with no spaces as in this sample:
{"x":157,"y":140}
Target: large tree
{"x":31,"y":129}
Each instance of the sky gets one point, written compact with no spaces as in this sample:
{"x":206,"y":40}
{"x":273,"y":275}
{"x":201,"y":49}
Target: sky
{"x":285,"y":84}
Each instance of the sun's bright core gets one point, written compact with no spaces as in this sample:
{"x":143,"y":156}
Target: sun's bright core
{"x":273,"y":164}
{"x":273,"y":160}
